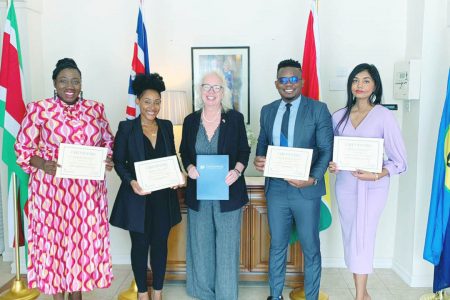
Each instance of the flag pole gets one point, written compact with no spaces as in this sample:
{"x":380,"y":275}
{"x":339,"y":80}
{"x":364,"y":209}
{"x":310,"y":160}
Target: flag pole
{"x":19,"y":290}
{"x":299,"y":292}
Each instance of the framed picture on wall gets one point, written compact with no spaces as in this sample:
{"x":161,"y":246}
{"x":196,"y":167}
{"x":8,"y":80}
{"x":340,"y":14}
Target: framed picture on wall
{"x":234,"y":63}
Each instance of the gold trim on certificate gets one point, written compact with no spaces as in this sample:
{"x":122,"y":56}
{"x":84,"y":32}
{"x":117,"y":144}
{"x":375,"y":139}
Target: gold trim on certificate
{"x":356,"y":153}
{"x":288,"y":162}
{"x":81,"y":162}
{"x":159,"y":173}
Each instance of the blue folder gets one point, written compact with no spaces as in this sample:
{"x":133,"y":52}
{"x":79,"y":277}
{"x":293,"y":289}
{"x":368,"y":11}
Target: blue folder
{"x":211,"y":184}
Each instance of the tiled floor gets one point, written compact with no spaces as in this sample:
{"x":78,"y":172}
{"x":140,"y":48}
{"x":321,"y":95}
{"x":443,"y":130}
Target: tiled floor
{"x":384,"y":284}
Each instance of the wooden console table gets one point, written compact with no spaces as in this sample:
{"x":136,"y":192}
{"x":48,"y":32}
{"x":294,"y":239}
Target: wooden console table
{"x":255,"y":242}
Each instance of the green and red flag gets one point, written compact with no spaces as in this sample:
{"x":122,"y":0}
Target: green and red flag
{"x":12,"y":111}
{"x":311,"y":89}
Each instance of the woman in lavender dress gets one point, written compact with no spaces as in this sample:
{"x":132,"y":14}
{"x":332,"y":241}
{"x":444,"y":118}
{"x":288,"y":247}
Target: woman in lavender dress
{"x":361,"y":195}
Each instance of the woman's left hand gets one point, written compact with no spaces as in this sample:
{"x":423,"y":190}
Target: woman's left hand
{"x":109,"y":164}
{"x":231,"y":177}
{"x":177,"y":186}
{"x":364,"y":175}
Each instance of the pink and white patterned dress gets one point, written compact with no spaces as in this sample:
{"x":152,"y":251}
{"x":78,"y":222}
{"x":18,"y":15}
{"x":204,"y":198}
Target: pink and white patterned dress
{"x":68,"y":231}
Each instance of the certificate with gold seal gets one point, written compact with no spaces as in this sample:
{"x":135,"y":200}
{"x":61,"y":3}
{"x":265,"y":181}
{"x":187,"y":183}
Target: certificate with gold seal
{"x":81,"y":162}
{"x":356,"y":153}
{"x":159,"y":173}
{"x":288,"y":162}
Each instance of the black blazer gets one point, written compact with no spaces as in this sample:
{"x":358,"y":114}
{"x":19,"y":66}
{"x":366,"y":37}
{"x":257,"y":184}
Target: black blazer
{"x":129,"y":208}
{"x":232,"y":141}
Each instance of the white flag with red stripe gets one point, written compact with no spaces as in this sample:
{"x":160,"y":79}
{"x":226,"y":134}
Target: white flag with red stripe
{"x":140,"y":63}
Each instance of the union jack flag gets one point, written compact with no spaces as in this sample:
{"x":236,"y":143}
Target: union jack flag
{"x":140,"y":63}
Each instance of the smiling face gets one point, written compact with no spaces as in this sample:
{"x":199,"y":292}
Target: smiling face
{"x":68,"y":85}
{"x":149,"y":104}
{"x":289,"y":91}
{"x":363,"y":85}
{"x":212,"y":91}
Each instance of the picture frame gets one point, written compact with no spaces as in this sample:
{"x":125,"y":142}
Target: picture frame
{"x":234,"y":62}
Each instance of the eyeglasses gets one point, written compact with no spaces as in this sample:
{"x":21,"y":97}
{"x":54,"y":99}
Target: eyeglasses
{"x":286,"y":80}
{"x":207,"y":87}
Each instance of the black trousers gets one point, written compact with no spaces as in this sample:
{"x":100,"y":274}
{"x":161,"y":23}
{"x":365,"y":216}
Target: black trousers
{"x":155,"y":237}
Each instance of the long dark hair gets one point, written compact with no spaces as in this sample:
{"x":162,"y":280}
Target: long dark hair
{"x":375,"y":98}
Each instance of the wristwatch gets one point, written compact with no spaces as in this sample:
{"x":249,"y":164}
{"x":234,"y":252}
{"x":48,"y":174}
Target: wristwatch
{"x":315,"y":181}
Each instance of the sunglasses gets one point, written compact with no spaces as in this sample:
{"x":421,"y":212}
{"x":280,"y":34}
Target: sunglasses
{"x":286,"y":80}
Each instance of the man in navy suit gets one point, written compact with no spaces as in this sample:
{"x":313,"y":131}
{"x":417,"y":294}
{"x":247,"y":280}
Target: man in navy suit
{"x":300,"y":122}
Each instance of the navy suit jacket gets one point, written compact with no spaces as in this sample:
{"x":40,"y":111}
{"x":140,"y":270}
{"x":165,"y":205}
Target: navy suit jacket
{"x":313,"y":130}
{"x":129,"y":208}
{"x":232,"y":141}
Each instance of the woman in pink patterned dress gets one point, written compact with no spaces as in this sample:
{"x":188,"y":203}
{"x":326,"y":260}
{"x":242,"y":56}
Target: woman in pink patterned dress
{"x":69,"y":247}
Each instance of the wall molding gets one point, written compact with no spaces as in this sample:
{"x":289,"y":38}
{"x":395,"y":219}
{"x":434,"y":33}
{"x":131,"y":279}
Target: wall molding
{"x":382,"y":263}
{"x":412,"y":280}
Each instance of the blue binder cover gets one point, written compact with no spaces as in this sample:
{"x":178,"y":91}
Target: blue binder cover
{"x":211,"y":184}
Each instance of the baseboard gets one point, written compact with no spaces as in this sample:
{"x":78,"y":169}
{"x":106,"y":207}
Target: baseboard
{"x":340,"y":263}
{"x":333,"y":262}
{"x":413,"y":280}
{"x":8,"y":256}
{"x":121,"y":259}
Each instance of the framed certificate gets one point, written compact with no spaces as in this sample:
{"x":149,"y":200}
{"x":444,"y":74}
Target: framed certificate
{"x":81,"y":162}
{"x":157,"y":174}
{"x":288,"y":163}
{"x":355,"y":153}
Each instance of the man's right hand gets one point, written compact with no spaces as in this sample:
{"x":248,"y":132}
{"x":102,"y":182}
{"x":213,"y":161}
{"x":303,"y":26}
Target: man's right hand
{"x":259,"y":162}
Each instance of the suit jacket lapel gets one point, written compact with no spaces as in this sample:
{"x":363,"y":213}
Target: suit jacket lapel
{"x":224,"y":121}
{"x":138,"y":136}
{"x":194,"y":129}
{"x":165,"y":136}
{"x":302,"y":115}
{"x":271,"y":119}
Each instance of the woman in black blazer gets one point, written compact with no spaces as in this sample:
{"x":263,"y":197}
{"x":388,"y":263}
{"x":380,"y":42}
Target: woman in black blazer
{"x":147,"y":216}
{"x":213,"y":242}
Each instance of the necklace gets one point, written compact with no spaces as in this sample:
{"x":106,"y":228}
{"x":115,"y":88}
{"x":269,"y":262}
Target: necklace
{"x":210,"y":121}
{"x":152,"y":128}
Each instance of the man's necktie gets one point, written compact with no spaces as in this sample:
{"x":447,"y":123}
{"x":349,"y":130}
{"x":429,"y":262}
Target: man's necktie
{"x":285,"y":126}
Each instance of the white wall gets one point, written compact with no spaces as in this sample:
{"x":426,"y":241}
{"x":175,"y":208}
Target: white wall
{"x":428,"y":39}
{"x":99,"y":35}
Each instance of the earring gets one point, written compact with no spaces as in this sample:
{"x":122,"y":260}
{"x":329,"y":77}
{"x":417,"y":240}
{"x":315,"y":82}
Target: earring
{"x":55,"y":94}
{"x":81,"y":95}
{"x":373,"y":98}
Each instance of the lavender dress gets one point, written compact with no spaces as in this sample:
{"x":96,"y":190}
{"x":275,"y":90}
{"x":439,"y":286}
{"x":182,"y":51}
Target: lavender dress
{"x":361,"y":202}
